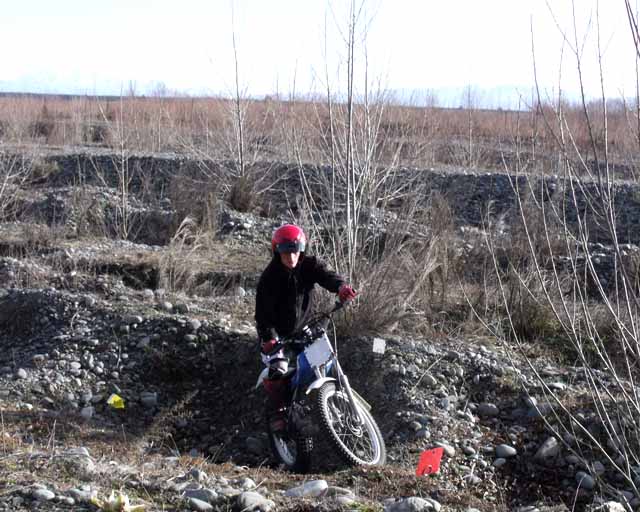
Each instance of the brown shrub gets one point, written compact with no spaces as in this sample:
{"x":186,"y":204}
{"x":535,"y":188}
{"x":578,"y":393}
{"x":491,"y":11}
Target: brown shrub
{"x":242,"y":195}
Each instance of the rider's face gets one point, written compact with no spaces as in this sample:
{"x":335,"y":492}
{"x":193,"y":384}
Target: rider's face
{"x":289,"y":259}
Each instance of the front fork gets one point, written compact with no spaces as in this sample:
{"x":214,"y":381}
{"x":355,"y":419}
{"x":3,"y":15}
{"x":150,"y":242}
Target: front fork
{"x":344,"y":384}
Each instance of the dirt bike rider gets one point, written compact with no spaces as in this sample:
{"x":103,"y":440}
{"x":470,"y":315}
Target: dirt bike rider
{"x":284,"y":300}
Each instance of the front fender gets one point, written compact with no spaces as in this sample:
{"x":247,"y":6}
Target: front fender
{"x":316,"y":384}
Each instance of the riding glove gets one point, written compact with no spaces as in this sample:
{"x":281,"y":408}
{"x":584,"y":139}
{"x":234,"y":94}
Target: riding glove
{"x":270,"y":346}
{"x":346,"y":293}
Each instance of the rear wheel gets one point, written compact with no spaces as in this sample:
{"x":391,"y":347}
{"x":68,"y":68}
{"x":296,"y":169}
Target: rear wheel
{"x":291,"y":449}
{"x":358,"y":442}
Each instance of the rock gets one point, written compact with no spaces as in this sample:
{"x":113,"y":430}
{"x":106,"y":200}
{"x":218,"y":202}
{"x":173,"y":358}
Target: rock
{"x":42,"y":494}
{"x":82,"y":495}
{"x":449,"y":450}
{"x":253,"y":501}
{"x":206,"y":495}
{"x":314,"y":488}
{"x":488,"y":410}
{"x":254,"y":445}
{"x":133,"y":320}
{"x":423,"y":433}
{"x":21,"y":374}
{"x":548,"y":450}
{"x":198,"y":475}
{"x":429,"y":381}
{"x":472,"y":479}
{"x":39,"y":359}
{"x":435,"y":505}
{"x":598,"y":468}
{"x":87,"y":412}
{"x":246,"y":484}
{"x":412,"y":504}
{"x":415,"y":425}
{"x":585,"y":480}
{"x":609,"y":506}
{"x":79,"y":462}
{"x":468,"y":450}
{"x":182,"y":308}
{"x":505,"y":451}
{"x":199,"y":505}
{"x":338,"y":491}
{"x":77,"y":452}
{"x":228,"y":492}
{"x":346,"y":502}
{"x":149,"y":399}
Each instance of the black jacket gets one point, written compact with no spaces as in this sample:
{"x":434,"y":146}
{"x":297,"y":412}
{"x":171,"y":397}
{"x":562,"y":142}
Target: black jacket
{"x":285,"y":296}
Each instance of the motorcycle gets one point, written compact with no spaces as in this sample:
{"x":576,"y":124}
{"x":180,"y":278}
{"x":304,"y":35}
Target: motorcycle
{"x":323,"y":403}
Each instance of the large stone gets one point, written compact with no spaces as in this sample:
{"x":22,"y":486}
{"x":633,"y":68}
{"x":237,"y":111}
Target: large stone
{"x":42,"y":494}
{"x":199,"y":505}
{"x":412,"y":504}
{"x":253,"y":501}
{"x":313,"y":488}
{"x":504,"y":451}
{"x":207,"y":495}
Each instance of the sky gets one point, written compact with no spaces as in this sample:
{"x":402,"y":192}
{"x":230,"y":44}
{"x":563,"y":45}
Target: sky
{"x":416,"y":49}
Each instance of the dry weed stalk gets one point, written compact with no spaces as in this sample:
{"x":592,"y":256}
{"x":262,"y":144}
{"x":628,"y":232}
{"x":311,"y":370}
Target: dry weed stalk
{"x":176,"y":264}
{"x":15,"y":171}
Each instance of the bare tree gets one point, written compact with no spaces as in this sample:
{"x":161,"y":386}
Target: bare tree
{"x":350,"y":202}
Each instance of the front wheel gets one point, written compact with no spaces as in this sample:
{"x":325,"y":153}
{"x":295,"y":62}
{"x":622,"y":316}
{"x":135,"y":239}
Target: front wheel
{"x":358,"y":443}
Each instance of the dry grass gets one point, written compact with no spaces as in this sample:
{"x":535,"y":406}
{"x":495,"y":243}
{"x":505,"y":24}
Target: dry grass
{"x":418,"y":135}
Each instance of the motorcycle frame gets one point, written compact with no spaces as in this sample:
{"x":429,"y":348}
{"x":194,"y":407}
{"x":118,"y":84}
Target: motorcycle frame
{"x":320,"y":372}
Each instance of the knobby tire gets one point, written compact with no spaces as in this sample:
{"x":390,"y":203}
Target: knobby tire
{"x":358,"y":446}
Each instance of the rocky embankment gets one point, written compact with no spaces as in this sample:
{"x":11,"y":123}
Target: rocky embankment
{"x":185,"y":369}
{"x":84,"y":317}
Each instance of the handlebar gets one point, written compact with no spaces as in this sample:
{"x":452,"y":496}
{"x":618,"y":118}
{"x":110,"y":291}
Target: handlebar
{"x":306,"y":333}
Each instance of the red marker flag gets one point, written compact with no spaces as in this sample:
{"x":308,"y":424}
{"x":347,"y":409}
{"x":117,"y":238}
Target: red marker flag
{"x":429,"y":461}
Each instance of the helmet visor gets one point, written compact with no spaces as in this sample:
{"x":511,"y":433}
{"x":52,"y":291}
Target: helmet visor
{"x":290,"y":246}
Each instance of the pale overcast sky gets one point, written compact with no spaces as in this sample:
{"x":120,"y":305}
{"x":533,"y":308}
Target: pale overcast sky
{"x":85,"y":46}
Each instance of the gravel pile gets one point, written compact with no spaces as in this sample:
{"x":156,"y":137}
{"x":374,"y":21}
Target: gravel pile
{"x":191,"y":377}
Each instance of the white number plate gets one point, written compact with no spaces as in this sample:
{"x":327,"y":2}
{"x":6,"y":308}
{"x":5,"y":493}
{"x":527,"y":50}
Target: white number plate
{"x":319,"y":352}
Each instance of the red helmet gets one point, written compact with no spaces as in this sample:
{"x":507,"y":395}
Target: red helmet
{"x":288,"y":238}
